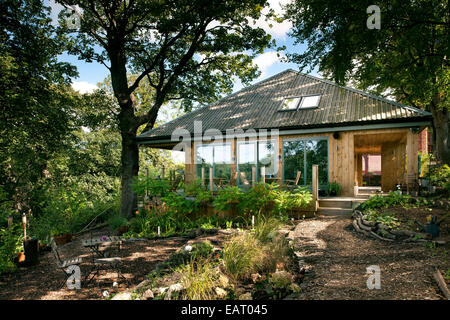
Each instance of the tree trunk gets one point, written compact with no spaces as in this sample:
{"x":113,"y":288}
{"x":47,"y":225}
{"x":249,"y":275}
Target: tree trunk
{"x":441,"y":128}
{"x":130,"y":169}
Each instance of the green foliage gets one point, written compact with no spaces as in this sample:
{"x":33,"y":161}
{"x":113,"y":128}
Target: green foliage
{"x":11,"y":239}
{"x":243,"y":255}
{"x":440,"y":177}
{"x":392,"y":199}
{"x":116,"y":222}
{"x":265,"y":229}
{"x":286,"y":201}
{"x":334,"y":188}
{"x":69,"y":209}
{"x":258,"y":199}
{"x":198,"y":251}
{"x":155,"y":187}
{"x":387,"y":218}
{"x":228,"y":197}
{"x":198,"y":278}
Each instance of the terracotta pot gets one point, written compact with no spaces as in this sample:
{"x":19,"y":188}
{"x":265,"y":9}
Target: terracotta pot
{"x":20,"y":257}
{"x":63,"y":239}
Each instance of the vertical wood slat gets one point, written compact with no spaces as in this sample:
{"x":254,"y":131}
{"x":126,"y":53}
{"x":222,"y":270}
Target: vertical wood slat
{"x":411,"y":155}
{"x":315,"y":185}
{"x":253,"y":175}
{"x":211,"y":184}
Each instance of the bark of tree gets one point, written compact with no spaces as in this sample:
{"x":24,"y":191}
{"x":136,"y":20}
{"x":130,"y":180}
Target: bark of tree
{"x":441,"y":128}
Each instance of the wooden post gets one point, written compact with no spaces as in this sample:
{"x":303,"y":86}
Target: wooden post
{"x":163,"y":173}
{"x":203,"y":176}
{"x":146,"y":183}
{"x":412,"y":167}
{"x":253,"y":175}
{"x":211,"y":184}
{"x":24,"y":222}
{"x":315,"y":185}
{"x":263,"y":174}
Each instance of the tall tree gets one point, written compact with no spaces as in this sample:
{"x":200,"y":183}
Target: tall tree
{"x":35,"y":99}
{"x":187,"y":49}
{"x":407,"y":57}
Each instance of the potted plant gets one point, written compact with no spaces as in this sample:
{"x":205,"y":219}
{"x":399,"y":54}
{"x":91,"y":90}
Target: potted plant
{"x":119,"y":224}
{"x":334,"y":189}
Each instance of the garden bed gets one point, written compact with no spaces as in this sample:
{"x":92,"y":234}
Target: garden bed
{"x":257,"y":264}
{"x":398,"y":217}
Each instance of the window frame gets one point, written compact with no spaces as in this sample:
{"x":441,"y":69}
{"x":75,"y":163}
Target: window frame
{"x":297,"y":108}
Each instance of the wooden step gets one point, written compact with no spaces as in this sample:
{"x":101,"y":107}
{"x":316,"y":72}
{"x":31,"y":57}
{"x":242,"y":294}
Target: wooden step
{"x":330,"y":211}
{"x":335,"y":203}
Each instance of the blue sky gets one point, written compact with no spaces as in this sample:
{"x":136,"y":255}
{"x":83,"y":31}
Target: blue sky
{"x":268,"y":63}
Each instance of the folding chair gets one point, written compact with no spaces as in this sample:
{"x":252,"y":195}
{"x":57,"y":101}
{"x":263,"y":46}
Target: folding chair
{"x":292,"y":184}
{"x":63,"y":265}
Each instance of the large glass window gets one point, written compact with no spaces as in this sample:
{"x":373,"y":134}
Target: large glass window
{"x":256,"y":154}
{"x":217,"y":156}
{"x":301,"y":155}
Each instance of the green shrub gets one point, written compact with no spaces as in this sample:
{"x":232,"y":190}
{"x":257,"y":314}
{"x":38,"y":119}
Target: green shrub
{"x":198,"y":278}
{"x":156,"y":187}
{"x":116,"y":222}
{"x":243,"y":255}
{"x":387,"y":218}
{"x":392,"y":199}
{"x":228,"y":197}
{"x":69,"y":210}
{"x":266,"y":229}
{"x":11,"y":242}
{"x":334,"y":188}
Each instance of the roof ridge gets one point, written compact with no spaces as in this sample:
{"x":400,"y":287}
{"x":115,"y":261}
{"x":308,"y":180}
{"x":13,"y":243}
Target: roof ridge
{"x":398,"y":104}
{"x":219,"y":100}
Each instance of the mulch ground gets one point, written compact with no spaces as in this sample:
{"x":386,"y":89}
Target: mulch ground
{"x":139,"y":258}
{"x":336,"y":257}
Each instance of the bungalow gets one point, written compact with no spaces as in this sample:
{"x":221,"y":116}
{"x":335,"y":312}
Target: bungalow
{"x":290,"y":122}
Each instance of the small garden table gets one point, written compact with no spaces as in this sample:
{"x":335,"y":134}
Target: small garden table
{"x":102,"y":242}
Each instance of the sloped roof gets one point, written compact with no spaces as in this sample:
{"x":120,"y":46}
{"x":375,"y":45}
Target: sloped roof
{"x":257,"y":107}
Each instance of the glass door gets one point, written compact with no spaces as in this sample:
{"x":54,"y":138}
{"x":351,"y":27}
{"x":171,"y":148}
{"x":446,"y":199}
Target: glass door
{"x":301,"y":155}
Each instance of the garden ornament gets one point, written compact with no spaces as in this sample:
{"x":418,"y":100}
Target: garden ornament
{"x":431,"y":226}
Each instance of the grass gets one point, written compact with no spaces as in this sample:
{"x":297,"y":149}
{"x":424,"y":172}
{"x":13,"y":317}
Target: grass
{"x":243,"y":255}
{"x":198,"y":279}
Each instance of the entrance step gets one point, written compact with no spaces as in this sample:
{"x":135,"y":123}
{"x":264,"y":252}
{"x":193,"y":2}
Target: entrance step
{"x":330,"y":211}
{"x":339,"y":205}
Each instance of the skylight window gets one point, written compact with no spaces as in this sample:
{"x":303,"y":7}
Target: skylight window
{"x":309,"y":102}
{"x":290,"y":103}
{"x":296,"y":103}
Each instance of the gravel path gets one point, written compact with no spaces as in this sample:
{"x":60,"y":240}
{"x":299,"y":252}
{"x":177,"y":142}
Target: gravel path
{"x":336,"y":258}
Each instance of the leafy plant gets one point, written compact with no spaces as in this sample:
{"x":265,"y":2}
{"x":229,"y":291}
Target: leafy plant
{"x":117,"y":221}
{"x":228,"y":197}
{"x":387,"y":218}
{"x":334,"y":188}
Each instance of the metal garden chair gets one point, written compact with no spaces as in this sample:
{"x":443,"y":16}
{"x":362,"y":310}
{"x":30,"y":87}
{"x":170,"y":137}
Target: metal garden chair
{"x":64,"y":264}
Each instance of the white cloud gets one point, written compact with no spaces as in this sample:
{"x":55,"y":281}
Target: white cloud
{"x":275,"y":29}
{"x":84,"y":87}
{"x":266,"y":60}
